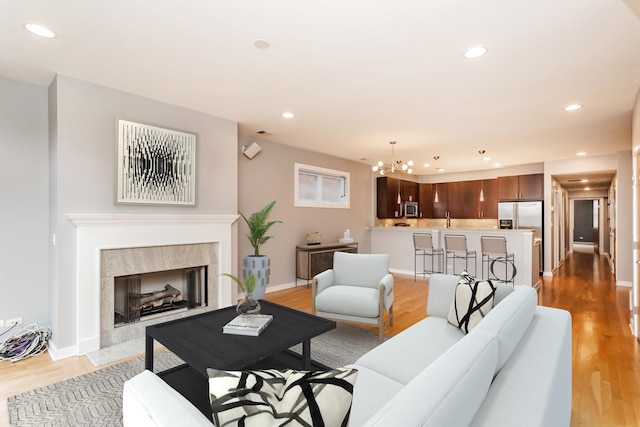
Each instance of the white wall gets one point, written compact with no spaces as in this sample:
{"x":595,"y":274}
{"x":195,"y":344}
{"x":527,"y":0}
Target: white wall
{"x":23,"y":203}
{"x":82,"y":117}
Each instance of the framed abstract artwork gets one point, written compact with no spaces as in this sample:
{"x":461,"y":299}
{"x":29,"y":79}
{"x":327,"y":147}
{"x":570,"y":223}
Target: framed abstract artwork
{"x":155,"y":165}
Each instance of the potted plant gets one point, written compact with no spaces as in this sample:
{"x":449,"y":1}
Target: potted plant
{"x":249,"y":305}
{"x":257,"y":264}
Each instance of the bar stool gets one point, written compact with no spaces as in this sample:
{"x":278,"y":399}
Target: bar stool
{"x":423,"y":247}
{"x":494,"y":256}
{"x":455,"y":246}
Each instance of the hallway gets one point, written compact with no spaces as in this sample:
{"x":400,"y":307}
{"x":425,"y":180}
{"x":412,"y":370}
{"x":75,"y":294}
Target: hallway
{"x":606,"y":357}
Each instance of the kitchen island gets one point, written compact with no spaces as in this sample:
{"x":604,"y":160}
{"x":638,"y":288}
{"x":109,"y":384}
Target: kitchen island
{"x":398,"y":243}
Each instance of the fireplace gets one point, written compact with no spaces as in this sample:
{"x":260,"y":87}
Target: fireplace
{"x":104,"y":235}
{"x":146,"y":285}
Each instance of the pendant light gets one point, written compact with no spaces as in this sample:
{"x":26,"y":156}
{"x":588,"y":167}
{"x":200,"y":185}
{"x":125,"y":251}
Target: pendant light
{"x":481,"y":152}
{"x":384,"y":168}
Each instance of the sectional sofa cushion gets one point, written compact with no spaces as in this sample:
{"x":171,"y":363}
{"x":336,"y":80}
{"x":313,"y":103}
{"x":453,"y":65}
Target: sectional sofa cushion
{"x":509,"y":322}
{"x":421,"y":344}
{"x":472,"y":301}
{"x":275,"y":397}
{"x":370,"y":393}
{"x":149,"y":401}
{"x":449,"y":391}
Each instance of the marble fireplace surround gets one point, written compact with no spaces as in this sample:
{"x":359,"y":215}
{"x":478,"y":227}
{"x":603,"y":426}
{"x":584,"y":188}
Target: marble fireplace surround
{"x":95,"y":233}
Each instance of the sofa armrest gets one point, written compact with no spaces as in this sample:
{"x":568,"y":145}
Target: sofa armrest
{"x":149,"y":401}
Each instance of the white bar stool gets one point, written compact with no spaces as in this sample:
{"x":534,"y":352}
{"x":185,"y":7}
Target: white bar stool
{"x":500,"y":265}
{"x":423,"y":248}
{"x":455,"y":246}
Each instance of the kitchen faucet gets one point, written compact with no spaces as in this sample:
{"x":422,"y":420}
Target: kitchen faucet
{"x":448,"y":220}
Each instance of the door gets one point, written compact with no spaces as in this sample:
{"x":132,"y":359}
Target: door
{"x":583,"y":221}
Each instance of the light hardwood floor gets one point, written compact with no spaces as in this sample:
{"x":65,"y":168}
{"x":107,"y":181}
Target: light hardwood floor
{"x":606,"y":357}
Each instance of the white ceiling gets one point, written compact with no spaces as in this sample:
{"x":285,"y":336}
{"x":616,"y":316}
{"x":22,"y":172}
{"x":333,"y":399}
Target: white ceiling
{"x":358,"y":74}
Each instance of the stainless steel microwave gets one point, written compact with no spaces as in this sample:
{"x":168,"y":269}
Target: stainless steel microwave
{"x":411,"y":209}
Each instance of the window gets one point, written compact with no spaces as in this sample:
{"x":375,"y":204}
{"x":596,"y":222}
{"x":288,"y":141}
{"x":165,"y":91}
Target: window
{"x":320,"y":187}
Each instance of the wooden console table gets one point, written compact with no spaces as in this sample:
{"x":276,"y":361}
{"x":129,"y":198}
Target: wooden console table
{"x":314,"y":259}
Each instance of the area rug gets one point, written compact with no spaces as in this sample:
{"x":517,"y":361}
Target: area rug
{"x":96,"y":398}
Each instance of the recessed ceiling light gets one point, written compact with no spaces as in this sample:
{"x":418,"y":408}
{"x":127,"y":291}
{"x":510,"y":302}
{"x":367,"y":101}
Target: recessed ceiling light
{"x":581,"y":153}
{"x":426,"y":165}
{"x":587,"y":188}
{"x":261,"y":44}
{"x":41,"y":31}
{"x":486,"y":159}
{"x":573,"y":107}
{"x":475,"y":52}
{"x":497,"y":165}
{"x":288,"y":115}
{"x":584,"y":180}
{"x":440,"y":170}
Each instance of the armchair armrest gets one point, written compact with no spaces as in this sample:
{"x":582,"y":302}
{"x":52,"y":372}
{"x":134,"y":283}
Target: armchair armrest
{"x":387,"y":282}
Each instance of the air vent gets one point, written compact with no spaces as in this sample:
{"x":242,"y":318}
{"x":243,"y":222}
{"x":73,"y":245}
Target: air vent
{"x":263,"y":132}
{"x":574,"y":180}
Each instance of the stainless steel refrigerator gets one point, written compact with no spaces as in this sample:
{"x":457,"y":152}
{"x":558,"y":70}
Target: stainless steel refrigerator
{"x":521,"y":215}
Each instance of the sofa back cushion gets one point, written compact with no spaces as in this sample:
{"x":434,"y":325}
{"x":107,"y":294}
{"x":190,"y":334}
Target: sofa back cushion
{"x":449,"y":391}
{"x":359,"y":269}
{"x":509,"y":320}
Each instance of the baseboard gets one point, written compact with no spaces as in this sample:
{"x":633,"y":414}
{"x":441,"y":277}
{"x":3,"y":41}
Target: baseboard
{"x":63,"y":353}
{"x":624,"y":284}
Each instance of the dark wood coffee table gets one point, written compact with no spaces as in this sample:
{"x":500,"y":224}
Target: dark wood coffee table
{"x":199,"y":341}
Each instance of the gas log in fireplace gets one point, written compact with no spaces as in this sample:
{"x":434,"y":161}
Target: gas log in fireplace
{"x":140,"y":295}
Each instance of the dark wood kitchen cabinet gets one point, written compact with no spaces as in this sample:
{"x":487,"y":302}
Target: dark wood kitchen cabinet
{"x":489,"y":207}
{"x":409,"y":191}
{"x":387,"y":192}
{"x":457,"y":204}
{"x":521,"y":187}
{"x":425,"y":200}
{"x":440,"y":200}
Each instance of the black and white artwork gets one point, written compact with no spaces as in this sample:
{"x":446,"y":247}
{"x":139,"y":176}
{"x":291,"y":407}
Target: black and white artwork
{"x":155,"y":165}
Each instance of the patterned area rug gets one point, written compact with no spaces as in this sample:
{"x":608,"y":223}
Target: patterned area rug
{"x":96,"y":398}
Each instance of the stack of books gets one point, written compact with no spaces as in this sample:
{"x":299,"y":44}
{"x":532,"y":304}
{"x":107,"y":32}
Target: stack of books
{"x":248,"y":325}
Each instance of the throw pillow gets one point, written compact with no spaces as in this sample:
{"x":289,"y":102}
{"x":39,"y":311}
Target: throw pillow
{"x":472,"y":301}
{"x":275,"y":397}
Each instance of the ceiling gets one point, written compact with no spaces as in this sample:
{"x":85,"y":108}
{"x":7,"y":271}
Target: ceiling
{"x":358,"y":74}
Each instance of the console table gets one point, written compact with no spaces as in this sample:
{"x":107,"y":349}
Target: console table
{"x":314,"y":259}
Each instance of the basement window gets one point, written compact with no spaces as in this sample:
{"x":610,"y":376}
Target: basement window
{"x":317,"y":187}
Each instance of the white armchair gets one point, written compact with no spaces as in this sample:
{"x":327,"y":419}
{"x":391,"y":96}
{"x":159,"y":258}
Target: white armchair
{"x":359,"y":289}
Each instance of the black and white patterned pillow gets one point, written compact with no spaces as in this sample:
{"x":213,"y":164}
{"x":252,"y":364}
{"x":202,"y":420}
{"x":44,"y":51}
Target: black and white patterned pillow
{"x":472,"y":301}
{"x":275,"y":397}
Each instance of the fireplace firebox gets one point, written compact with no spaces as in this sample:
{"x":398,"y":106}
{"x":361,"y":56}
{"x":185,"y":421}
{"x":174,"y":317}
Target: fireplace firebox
{"x":139,"y":296}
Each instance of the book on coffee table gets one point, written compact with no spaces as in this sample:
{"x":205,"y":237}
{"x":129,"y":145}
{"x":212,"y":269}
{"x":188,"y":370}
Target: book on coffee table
{"x":248,"y":325}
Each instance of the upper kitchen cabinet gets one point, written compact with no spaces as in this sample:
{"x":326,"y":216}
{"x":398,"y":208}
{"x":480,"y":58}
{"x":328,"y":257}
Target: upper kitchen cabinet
{"x":457,"y":202}
{"x":425,"y":199}
{"x":440,"y":200}
{"x":522,"y":187}
{"x":387,"y":194}
{"x":409,"y":191}
{"x":489,"y":204}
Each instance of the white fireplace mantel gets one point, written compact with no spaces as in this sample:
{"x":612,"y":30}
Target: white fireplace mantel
{"x":96,"y":232}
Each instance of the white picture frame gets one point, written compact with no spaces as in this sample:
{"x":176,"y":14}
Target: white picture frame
{"x":155,"y":165}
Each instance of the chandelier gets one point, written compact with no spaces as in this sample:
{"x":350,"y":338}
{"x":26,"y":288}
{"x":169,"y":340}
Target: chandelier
{"x":384,"y":168}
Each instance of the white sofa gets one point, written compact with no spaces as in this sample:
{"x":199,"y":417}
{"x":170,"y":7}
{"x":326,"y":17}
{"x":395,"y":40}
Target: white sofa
{"x":513,"y":369}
